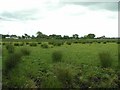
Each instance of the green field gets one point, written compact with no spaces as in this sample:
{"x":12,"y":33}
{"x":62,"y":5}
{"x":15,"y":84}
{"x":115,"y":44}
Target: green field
{"x":79,"y":67}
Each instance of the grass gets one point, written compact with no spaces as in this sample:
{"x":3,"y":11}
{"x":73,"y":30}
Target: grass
{"x":105,"y":59}
{"x":10,"y":48}
{"x":33,"y":44}
{"x":25,"y":51}
{"x":80,"y":67}
{"x":57,"y":56}
{"x":44,"y":45}
{"x":65,"y":76}
{"x":12,"y":61}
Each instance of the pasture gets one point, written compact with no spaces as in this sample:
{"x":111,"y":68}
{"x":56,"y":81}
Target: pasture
{"x":73,"y":65}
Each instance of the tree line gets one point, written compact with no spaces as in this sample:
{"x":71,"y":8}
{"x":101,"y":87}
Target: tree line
{"x":53,"y":36}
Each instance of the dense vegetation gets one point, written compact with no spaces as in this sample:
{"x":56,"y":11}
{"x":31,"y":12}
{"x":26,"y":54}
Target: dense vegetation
{"x":61,"y":63}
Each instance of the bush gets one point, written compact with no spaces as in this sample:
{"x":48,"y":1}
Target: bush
{"x":10,"y":48}
{"x":105,"y":59}
{"x":33,"y":44}
{"x":12,"y":61}
{"x":118,"y":42}
{"x":44,"y":45}
{"x":51,"y":43}
{"x":27,"y":43}
{"x":39,"y":42}
{"x":83,"y":42}
{"x":25,"y":51}
{"x":57,"y":56}
{"x":104,"y":42}
{"x":3,"y":43}
{"x":51,"y":82}
{"x":16,"y":44}
{"x":65,"y":76}
{"x":98,"y":42}
{"x":69,"y":43}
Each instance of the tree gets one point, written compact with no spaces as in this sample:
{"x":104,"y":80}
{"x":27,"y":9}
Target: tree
{"x":13,"y":36}
{"x":65,"y":37}
{"x":91,"y":36}
{"x":27,"y":36}
{"x":33,"y":37}
{"x":4,"y":36}
{"x":75,"y":36}
{"x":39,"y":34}
{"x":23,"y":37}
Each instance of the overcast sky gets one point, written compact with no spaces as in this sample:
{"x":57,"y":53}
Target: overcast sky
{"x":64,"y":17}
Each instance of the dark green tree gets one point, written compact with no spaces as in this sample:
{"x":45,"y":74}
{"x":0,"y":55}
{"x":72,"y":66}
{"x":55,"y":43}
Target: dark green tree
{"x":75,"y":36}
{"x":91,"y":36}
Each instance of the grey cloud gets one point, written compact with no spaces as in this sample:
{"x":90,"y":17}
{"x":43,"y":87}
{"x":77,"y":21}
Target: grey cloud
{"x":112,"y":6}
{"x":18,"y":15}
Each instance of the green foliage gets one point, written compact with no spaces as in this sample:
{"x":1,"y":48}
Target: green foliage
{"x":69,"y":43}
{"x":16,"y":44}
{"x":12,"y":61}
{"x":80,"y":68}
{"x":44,"y":45}
{"x":51,"y":82}
{"x":57,"y":56}
{"x":17,"y":81}
{"x":118,"y":42}
{"x":65,"y":76}
{"x":39,"y":42}
{"x":25,"y":51}
{"x":98,"y":42}
{"x":56,"y":43}
{"x":10,"y":48}
{"x":3,"y":43}
{"x":27,"y":43}
{"x":33,"y":44}
{"x":104,"y":42}
{"x":105,"y":59}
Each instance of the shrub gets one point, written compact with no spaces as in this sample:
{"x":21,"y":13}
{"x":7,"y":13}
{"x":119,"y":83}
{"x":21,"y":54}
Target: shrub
{"x":39,"y":42}
{"x":12,"y":61}
{"x":105,"y":59}
{"x":75,"y":42}
{"x":83,"y":42}
{"x":104,"y":42}
{"x":50,"y":42}
{"x":65,"y":76}
{"x":16,"y":44}
{"x":25,"y":51}
{"x":51,"y":82}
{"x":10,"y":48}
{"x":33,"y":44}
{"x":69,"y":43}
{"x":98,"y":42}
{"x":57,"y":56}
{"x":3,"y":43}
{"x":44,"y":45}
{"x":118,"y":42}
{"x":27,"y":43}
